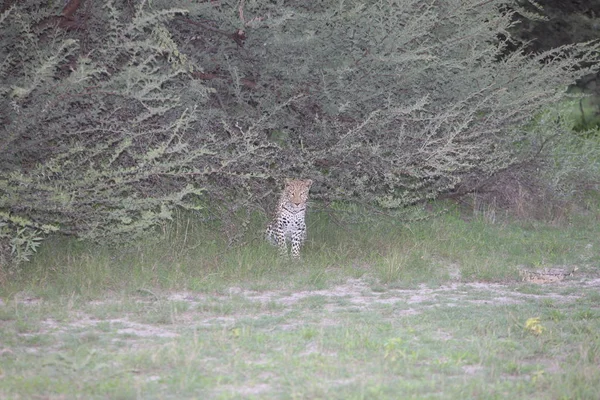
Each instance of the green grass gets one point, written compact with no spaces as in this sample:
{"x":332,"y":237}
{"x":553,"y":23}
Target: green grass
{"x":320,"y":346}
{"x":382,"y":306}
{"x":391,"y":249}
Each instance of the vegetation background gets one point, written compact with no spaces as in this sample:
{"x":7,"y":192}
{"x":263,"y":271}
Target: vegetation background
{"x":455,"y":151}
{"x":116,"y":114}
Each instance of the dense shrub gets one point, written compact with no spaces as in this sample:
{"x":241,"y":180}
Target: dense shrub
{"x":392,"y":102}
{"x":114,"y":114}
{"x":93,"y":132}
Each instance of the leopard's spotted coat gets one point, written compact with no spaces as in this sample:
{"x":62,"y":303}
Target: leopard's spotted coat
{"x":289,"y":223}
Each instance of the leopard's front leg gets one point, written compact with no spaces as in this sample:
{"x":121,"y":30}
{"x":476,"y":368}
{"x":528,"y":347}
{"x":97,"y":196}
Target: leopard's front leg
{"x":298,"y":238}
{"x":283,"y":252}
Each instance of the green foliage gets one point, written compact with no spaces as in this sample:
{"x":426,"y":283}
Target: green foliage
{"x":23,"y":242}
{"x":579,"y":111}
{"x":572,"y":157}
{"x":387,"y":102}
{"x":94,"y":133}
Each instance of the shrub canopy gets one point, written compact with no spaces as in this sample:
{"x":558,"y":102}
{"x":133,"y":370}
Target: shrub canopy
{"x":112,"y":114}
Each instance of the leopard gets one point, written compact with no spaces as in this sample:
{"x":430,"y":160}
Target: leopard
{"x":289,"y":222}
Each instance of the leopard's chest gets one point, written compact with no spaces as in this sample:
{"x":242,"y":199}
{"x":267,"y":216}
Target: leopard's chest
{"x":290,"y":218}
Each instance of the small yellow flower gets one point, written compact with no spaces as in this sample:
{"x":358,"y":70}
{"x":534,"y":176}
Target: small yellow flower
{"x":533,"y":325}
{"x":538,"y":376}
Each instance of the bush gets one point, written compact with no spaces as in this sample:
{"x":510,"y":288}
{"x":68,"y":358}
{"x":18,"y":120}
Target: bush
{"x":112,"y":115}
{"x":93,"y":136}
{"x":387,"y":102}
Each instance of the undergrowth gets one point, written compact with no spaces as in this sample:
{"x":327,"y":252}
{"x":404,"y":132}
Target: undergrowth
{"x":418,"y":246}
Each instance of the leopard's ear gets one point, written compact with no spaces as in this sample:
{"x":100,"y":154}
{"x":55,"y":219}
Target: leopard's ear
{"x":308,"y":182}
{"x":287,"y":181}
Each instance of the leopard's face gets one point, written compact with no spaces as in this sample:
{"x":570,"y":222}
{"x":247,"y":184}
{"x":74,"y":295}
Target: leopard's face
{"x":296,"y":192}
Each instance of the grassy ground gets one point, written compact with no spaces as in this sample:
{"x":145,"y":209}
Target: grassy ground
{"x":381,"y":307}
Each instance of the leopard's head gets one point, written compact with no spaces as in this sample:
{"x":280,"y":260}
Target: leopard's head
{"x":296,"y":191}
